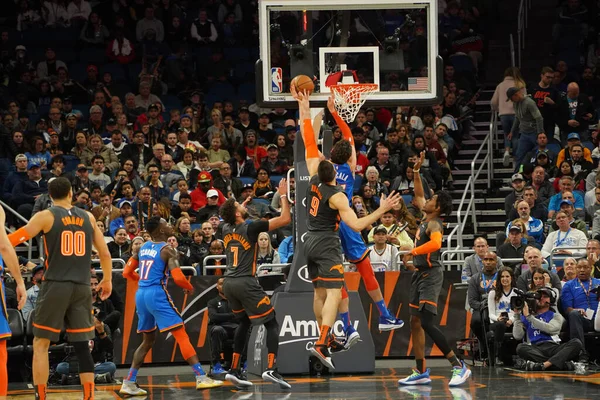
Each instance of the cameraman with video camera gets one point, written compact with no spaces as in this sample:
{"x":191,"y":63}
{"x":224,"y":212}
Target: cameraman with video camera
{"x":542,"y":326}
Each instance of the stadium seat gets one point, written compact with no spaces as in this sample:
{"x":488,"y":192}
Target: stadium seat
{"x":85,"y":110}
{"x":224,"y":90}
{"x":247,"y":91}
{"x":71,"y":162}
{"x":170,"y":101}
{"x":589,"y":145}
{"x":77,"y":71}
{"x":462,"y":63}
{"x":92,"y":55}
{"x":134,"y":70}
{"x":407,"y":198}
{"x":236,"y":54}
{"x":276,"y":178}
{"x":246,"y":180}
{"x":116,"y":70}
{"x":554,"y":147}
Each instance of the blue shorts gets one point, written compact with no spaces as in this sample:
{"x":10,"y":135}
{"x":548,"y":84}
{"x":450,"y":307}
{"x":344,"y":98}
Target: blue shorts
{"x":354,"y":247}
{"x":155,"y":308}
{"x":4,"y":326}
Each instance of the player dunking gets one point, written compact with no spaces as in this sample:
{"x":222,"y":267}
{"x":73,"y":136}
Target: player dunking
{"x":154,"y":307}
{"x":8,"y":257}
{"x":326,"y":203}
{"x":248,"y":301}
{"x":426,"y":284}
{"x":354,"y":246}
{"x":65,"y":297}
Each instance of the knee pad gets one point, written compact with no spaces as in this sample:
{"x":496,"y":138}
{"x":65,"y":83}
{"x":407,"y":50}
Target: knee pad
{"x":84,"y":356}
{"x":366,"y":272}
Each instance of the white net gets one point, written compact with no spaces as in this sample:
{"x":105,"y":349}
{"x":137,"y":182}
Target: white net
{"x":349,"y":98}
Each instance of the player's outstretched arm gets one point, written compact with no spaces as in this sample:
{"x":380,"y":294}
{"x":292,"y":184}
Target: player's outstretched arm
{"x":172,"y":259}
{"x":285,"y":217}
{"x":435,"y":233}
{"x":419,"y":198}
{"x":307,"y":131}
{"x":105,"y":260}
{"x":339,"y":201}
{"x":346,"y":132}
{"x":40,"y":222}
{"x":10,"y":260}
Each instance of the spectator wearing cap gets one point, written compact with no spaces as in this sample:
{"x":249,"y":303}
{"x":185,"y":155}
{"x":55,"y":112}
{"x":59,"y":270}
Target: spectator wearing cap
{"x":256,"y":209}
{"x":242,"y":165}
{"x":383,"y":256}
{"x":109,"y":128}
{"x":566,"y":184}
{"x":575,"y":112}
{"x":97,"y":148}
{"x":38,"y":154}
{"x":37,"y":275}
{"x":273,"y":164}
{"x":145,"y":98}
{"x":211,"y":207}
{"x":151,"y":117}
{"x":573,"y":139}
{"x":518,"y":184}
{"x":137,"y":151}
{"x":542,"y":147}
{"x":226,"y":184}
{"x":253,"y":150}
{"x":82,"y":179}
{"x":528,"y":122}
{"x":20,"y":174}
{"x":566,"y":207}
{"x":27,"y":191}
{"x":49,"y":66}
{"x":125,"y":210}
{"x":203,"y":30}
{"x":69,"y":132}
{"x":265,"y":133}
{"x":199,"y":195}
{"x":514,"y":245}
{"x":244,"y":121}
{"x":53,"y":145}
{"x":217,"y":156}
{"x":183,"y":137}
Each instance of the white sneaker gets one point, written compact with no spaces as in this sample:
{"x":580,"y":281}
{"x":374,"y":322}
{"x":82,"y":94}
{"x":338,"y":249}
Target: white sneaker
{"x":506,"y":159}
{"x":130,"y":388}
{"x":204,"y":382}
{"x":459,"y":375}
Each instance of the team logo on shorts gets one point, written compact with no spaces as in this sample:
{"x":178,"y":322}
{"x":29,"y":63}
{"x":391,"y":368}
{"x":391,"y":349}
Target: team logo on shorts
{"x":338,"y":268}
{"x":265,"y":301}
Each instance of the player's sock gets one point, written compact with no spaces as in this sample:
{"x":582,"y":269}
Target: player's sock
{"x":421,"y":365}
{"x":40,"y":392}
{"x":271,"y":359}
{"x":345,"y":316}
{"x":235,"y":361}
{"x":132,"y":375}
{"x":3,"y":369}
{"x":323,"y":336}
{"x":88,"y":391}
{"x":198,"y":369}
{"x":383,"y":310}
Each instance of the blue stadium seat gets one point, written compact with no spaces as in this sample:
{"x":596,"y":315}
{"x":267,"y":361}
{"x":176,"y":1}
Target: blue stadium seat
{"x":77,"y":72}
{"x":134,"y":71}
{"x":93,"y":55}
{"x":589,"y":145}
{"x":116,"y":70}
{"x":85,"y":110}
{"x":554,"y":147}
{"x":462,"y":63}
{"x":224,"y":90}
{"x":170,"y":101}
{"x":276,"y":178}
{"x":407,"y":198}
{"x":236,"y":54}
{"x":43,"y":111}
{"x":195,"y":227}
{"x":247,"y":91}
{"x":243,"y":70}
{"x":71,"y":162}
{"x":245,"y":180}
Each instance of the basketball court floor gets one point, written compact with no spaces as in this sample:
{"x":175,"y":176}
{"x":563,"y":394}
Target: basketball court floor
{"x":177,"y":382}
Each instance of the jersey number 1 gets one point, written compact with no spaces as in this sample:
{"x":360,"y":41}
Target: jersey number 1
{"x":72,"y":243}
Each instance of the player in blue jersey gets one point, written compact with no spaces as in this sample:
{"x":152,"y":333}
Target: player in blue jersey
{"x":343,"y":157}
{"x":8,"y":257}
{"x":157,"y":261}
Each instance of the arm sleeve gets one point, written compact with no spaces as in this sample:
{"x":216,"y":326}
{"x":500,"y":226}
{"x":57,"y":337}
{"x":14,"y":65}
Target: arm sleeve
{"x":346,"y":132}
{"x":180,"y":279}
{"x":433,"y":245}
{"x":492,"y":306}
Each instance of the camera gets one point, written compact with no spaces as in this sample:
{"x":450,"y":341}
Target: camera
{"x":99,"y":314}
{"x":518,"y":302}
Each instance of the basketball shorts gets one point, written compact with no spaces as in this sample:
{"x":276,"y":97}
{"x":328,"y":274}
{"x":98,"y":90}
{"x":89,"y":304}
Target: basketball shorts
{"x":354,"y":246}
{"x":247,"y":297}
{"x":324,"y":259}
{"x":64,"y":304}
{"x":5,"y":332}
{"x":425,"y":288}
{"x":154,"y":308}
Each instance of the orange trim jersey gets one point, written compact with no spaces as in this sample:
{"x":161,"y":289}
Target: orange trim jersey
{"x":321,"y":217}
{"x":241,"y":247}
{"x":68,"y":246}
{"x":429,"y":260}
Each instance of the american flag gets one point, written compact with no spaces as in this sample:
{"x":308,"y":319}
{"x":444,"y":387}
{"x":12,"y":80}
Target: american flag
{"x":420,"y":83}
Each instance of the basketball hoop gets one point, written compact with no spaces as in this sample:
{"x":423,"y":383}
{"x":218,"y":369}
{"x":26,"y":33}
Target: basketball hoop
{"x":349,"y":98}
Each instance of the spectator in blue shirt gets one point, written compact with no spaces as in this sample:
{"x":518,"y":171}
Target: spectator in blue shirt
{"x":579,"y":304}
{"x":535,"y":227}
{"x":566,"y":184}
{"x":286,"y":250}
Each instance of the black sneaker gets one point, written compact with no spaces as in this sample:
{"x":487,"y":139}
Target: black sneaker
{"x":239,"y":381}
{"x":272,"y":375}
{"x":569,"y":366}
{"x":323,"y":354}
{"x":584,"y":357}
{"x":335,"y":346}
{"x":520,"y":364}
{"x":533,"y":366}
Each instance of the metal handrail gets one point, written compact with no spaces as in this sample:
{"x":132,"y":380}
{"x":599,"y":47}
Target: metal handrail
{"x":205,"y":267}
{"x":265,"y":266}
{"x":522,"y":23}
{"x":511,"y":41}
{"x":29,"y":243}
{"x":556,"y":249}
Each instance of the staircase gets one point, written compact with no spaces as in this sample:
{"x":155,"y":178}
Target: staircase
{"x":489,"y":202}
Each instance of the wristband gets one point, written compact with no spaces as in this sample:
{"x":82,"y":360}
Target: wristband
{"x":282,"y":196}
{"x":416,"y":170}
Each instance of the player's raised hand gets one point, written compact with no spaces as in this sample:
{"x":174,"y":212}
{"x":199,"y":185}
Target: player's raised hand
{"x":331,"y":104}
{"x":282,"y":189}
{"x":391,"y":201}
{"x":21,"y":295}
{"x":419,"y":162}
{"x":303,"y":104}
{"x":105,"y":289}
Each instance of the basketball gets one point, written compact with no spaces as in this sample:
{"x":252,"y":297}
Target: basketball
{"x":303,"y":82}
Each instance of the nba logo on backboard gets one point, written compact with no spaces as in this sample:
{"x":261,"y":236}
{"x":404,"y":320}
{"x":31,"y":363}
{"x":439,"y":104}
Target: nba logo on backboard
{"x":276,"y":80}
